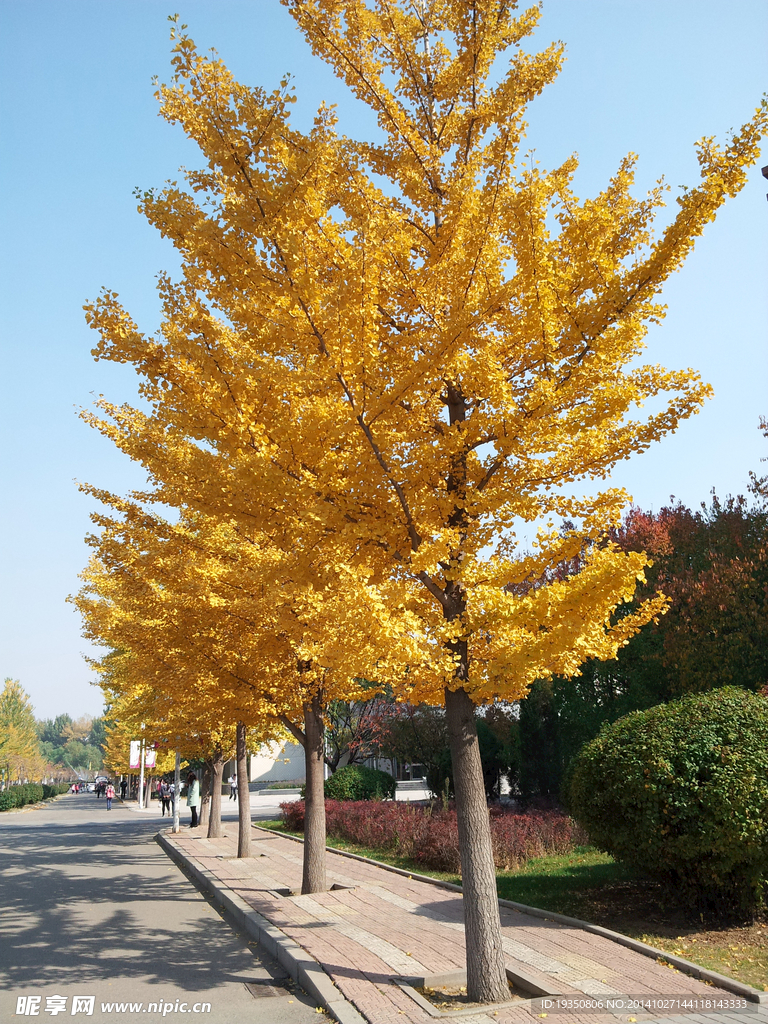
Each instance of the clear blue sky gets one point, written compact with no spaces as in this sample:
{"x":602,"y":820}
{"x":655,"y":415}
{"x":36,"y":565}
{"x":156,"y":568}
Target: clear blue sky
{"x":80,"y":131}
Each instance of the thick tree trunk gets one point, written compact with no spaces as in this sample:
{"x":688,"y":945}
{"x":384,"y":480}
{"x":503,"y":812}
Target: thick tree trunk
{"x":217,"y":777}
{"x":205,"y":794}
{"x":313,"y":878}
{"x":486,"y":978}
{"x":243,"y":794}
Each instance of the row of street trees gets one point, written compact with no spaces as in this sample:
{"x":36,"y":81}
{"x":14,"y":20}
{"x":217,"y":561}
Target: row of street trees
{"x":50,"y":750}
{"x":380,"y":359}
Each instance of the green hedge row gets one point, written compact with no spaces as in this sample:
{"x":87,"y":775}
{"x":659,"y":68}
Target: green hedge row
{"x":31,"y":793}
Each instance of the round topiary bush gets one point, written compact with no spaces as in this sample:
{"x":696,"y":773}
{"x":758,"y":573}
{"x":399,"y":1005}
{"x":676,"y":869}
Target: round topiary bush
{"x":356,"y":782}
{"x":680,"y":792}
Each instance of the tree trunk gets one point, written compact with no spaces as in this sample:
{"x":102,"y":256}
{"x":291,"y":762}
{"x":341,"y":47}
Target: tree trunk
{"x":243,"y":794}
{"x":486,"y":977}
{"x":217,"y":777}
{"x":313,"y":877}
{"x":205,"y":793}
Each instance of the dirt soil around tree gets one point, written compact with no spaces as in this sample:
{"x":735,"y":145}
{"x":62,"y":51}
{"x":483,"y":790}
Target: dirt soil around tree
{"x":450,"y":998}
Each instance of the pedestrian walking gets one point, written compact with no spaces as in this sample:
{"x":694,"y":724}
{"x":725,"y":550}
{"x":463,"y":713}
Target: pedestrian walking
{"x":109,"y":792}
{"x":193,"y":797}
{"x":123,"y":788}
{"x":233,"y":787}
{"x":165,"y":797}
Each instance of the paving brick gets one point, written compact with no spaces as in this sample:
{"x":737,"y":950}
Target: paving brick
{"x":361,"y":938}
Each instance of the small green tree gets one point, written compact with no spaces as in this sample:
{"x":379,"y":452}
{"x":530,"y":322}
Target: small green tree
{"x":82,"y":757}
{"x":51,"y":730}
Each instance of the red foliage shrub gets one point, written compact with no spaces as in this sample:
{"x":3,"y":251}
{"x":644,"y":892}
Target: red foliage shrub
{"x":429,"y":835}
{"x":293,"y":815}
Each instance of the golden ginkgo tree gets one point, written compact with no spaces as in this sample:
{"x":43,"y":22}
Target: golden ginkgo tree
{"x":401,"y":350}
{"x":223,"y":627}
{"x":149,"y":597}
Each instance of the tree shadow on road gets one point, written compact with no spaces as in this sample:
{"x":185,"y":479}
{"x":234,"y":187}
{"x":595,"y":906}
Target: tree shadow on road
{"x":93,"y":899}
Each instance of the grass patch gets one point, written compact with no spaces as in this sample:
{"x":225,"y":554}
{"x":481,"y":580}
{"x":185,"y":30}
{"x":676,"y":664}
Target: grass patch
{"x":561,"y":883}
{"x":740,"y":953}
{"x":592,"y":886}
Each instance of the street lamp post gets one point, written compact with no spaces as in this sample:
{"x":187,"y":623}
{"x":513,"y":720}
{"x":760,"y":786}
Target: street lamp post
{"x":176,"y":791}
{"x":141,"y":769}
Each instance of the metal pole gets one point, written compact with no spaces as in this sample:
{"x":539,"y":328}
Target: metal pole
{"x":176,"y":792}
{"x":141,"y":774}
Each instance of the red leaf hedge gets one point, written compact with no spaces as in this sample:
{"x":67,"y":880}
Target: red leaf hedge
{"x":429,"y":835}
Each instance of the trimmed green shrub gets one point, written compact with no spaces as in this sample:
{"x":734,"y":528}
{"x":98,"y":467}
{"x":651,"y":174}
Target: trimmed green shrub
{"x":29,"y":793}
{"x":18,"y":796}
{"x":680,"y":792}
{"x":57,"y":788}
{"x":356,"y":782}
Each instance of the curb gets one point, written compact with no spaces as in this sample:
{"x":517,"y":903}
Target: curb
{"x":738,"y":988}
{"x":303,"y":968}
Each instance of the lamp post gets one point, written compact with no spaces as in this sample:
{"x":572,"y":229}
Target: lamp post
{"x":176,"y":789}
{"x":141,"y":769}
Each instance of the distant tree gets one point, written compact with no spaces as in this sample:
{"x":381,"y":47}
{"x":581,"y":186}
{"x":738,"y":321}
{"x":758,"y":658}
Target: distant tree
{"x":418,"y":734}
{"x":80,"y":729}
{"x":51,"y":730}
{"x":713,"y":566}
{"x":759,"y":484}
{"x":541,"y":766}
{"x":716,"y":571}
{"x":20,"y":756}
{"x":75,"y":743}
{"x":98,"y":736}
{"x":83,"y":757}
{"x":354,"y":730}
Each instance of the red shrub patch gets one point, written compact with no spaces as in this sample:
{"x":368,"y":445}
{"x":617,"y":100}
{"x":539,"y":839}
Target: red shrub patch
{"x":430,"y":836}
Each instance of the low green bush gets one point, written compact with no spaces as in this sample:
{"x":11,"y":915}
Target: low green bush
{"x":18,"y":796}
{"x":29,"y":793}
{"x":356,"y":782}
{"x":50,"y":791}
{"x":680,"y":792}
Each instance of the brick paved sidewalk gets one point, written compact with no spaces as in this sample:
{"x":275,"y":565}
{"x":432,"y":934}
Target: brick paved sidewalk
{"x":378,"y":925}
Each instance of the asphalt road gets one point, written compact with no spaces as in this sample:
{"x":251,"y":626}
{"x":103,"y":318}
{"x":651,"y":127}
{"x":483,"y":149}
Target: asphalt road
{"x":90,"y":906}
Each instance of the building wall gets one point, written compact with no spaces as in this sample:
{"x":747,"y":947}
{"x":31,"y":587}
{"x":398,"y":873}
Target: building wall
{"x":278,"y":762}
